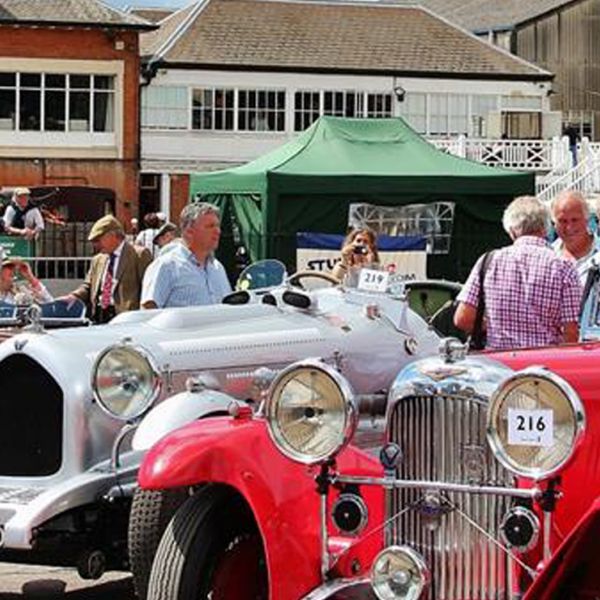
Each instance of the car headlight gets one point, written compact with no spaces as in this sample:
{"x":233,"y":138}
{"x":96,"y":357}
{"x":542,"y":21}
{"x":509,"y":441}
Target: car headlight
{"x":535,"y":421}
{"x":125,"y":381}
{"x":311,"y":412}
{"x":399,"y":573}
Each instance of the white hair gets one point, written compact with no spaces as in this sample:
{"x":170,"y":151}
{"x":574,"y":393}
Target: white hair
{"x":525,"y":215}
{"x":194,"y":211}
{"x":567,"y":195}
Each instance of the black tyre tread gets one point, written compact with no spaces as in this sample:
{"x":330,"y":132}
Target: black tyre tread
{"x":151,"y":511}
{"x":167,"y":579}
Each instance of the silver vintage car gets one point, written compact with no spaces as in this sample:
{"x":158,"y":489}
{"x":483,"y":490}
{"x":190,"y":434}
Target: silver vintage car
{"x":80,"y":406}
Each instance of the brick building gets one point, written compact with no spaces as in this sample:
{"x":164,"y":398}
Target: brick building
{"x":69,"y":97}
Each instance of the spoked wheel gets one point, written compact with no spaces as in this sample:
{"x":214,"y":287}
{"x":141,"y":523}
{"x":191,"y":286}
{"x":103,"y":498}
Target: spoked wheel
{"x":211,"y":550}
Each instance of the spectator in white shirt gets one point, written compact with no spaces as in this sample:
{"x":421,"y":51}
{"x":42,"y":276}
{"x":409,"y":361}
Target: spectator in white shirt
{"x":145,"y":238}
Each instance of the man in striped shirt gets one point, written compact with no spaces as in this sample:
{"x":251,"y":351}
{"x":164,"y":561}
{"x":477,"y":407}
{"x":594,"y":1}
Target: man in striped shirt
{"x":189,"y":275}
{"x":532,"y":296}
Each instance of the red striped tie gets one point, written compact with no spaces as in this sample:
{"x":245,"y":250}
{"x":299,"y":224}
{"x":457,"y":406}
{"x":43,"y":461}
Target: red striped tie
{"x":106,"y":296}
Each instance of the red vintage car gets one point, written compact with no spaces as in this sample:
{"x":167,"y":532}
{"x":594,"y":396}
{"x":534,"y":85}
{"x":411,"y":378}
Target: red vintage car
{"x":478,"y":480}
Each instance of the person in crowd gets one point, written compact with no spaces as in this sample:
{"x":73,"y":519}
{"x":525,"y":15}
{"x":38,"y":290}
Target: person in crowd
{"x":21,"y":217}
{"x":114,"y":280}
{"x":189,"y":274}
{"x":359,"y":249}
{"x":571,"y":133}
{"x":27,"y":289}
{"x":145,"y":238}
{"x":576,"y":242}
{"x":165,"y":237}
{"x":531,"y":296}
{"x":134,"y":230}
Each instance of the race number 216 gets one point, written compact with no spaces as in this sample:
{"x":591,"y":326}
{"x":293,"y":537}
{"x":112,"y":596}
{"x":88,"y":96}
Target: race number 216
{"x":530,"y":427}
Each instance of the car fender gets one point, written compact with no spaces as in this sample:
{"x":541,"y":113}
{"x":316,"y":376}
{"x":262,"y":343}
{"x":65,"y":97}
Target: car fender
{"x":281,"y":493}
{"x":179,"y":410}
{"x":573,"y":568}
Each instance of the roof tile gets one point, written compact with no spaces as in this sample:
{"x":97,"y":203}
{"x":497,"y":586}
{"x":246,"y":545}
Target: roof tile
{"x":321,"y":36}
{"x":81,"y":12}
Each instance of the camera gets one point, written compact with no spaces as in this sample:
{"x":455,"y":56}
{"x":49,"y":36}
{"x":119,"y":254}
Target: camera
{"x":360,"y":249}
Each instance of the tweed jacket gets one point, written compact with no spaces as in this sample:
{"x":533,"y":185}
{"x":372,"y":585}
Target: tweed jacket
{"x":129,"y":276}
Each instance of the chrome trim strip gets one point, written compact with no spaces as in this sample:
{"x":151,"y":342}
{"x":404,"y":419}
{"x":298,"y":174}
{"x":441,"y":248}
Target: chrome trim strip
{"x":487,"y":490}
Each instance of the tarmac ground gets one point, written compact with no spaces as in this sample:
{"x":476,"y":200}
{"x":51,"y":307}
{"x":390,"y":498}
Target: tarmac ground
{"x":29,"y":582}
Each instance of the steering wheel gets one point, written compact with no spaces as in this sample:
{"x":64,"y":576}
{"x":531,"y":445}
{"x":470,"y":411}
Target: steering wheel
{"x":296,"y":278}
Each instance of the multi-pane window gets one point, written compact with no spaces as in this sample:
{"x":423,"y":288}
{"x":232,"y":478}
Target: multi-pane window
{"x":55,"y":107}
{"x":438,"y":114}
{"x":343,"y":104}
{"x":165,"y":107}
{"x":458,"y":114}
{"x":261,"y":110}
{"x":379,"y":105}
{"x":414,"y":110}
{"x":482,"y":105}
{"x":56,"y":102}
{"x":30,"y":96}
{"x":307,"y":109}
{"x":213,"y":109}
{"x":8,"y":100}
{"x":309,"y":106}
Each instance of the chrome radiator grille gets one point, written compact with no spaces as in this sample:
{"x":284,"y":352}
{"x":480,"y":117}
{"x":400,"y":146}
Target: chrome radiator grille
{"x":443,"y":439}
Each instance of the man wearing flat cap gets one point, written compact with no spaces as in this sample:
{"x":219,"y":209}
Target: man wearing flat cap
{"x":21,"y":217}
{"x":114,"y":281}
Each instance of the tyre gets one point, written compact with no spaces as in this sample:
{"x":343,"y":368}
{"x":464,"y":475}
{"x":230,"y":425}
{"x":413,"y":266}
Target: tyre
{"x":150,"y":514}
{"x":211,"y":550}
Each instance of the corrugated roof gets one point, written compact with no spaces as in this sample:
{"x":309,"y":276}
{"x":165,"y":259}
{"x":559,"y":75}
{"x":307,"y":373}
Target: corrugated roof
{"x":71,"y":12}
{"x":317,"y":36}
{"x":483,"y":15}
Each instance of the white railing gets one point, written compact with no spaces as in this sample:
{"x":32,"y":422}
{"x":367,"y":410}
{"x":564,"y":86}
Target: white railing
{"x":526,"y":155}
{"x":552,"y":160}
{"x":584,"y":177}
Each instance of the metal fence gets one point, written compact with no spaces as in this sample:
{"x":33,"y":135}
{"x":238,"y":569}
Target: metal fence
{"x":60,"y":267}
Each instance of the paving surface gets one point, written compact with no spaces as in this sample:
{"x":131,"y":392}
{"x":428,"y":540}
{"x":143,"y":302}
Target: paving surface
{"x":24,"y":582}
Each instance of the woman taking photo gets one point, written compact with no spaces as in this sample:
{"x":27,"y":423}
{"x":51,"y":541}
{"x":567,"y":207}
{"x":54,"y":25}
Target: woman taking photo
{"x":358,"y":250}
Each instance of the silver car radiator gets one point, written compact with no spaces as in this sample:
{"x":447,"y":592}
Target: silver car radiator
{"x":443,"y":439}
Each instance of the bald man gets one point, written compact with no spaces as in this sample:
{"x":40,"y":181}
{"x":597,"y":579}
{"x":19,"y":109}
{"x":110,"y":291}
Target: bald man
{"x":576,"y":242}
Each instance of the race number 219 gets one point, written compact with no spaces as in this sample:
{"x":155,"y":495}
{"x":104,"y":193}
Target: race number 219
{"x":530,"y":427}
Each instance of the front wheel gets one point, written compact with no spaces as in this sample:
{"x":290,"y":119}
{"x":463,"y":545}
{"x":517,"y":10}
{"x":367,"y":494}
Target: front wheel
{"x":211,"y":550}
{"x":151,"y":512}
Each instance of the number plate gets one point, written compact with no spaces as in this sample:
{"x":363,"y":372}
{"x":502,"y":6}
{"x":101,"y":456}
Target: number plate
{"x":371,"y":280}
{"x":530,"y":427}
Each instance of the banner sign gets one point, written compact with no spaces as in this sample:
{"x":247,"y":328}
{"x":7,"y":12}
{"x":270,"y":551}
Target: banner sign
{"x":404,"y":255}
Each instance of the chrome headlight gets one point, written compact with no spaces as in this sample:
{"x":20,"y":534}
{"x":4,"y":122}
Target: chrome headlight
{"x":535,"y":421}
{"x":399,"y":573}
{"x":125,"y":381}
{"x":311,"y":412}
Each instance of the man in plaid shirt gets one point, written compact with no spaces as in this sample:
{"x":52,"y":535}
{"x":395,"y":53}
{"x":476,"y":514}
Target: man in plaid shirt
{"x":532,"y":296}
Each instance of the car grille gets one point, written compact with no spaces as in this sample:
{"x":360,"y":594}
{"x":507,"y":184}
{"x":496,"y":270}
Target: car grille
{"x":31,"y":414}
{"x":443,"y":439}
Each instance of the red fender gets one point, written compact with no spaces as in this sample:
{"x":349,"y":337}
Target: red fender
{"x":281,"y":493}
{"x":574,"y":569}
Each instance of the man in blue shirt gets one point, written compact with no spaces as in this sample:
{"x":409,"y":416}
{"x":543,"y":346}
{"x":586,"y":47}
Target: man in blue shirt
{"x":189,"y":275}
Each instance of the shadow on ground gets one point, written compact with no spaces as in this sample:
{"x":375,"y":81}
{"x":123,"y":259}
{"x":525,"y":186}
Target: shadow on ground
{"x":54,"y":589}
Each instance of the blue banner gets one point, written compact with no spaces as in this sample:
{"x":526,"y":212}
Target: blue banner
{"x":385,"y":243}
